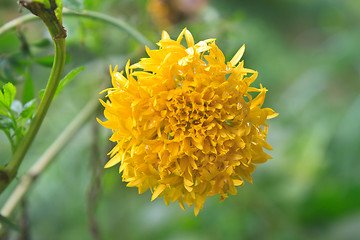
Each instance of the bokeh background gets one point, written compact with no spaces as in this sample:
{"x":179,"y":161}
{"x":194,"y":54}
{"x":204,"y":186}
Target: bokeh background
{"x":308,"y":56}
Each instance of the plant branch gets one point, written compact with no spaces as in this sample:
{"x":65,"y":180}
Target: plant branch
{"x":58,"y":34}
{"x":28,"y":179}
{"x":118,"y":23}
{"x":95,"y":183}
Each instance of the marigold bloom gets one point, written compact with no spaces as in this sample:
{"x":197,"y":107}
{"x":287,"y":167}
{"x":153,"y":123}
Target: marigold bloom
{"x":186,"y":126}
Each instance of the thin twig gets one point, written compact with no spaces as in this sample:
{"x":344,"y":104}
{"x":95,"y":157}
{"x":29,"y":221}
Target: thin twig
{"x":118,"y":23}
{"x":95,"y":184}
{"x":24,"y":222}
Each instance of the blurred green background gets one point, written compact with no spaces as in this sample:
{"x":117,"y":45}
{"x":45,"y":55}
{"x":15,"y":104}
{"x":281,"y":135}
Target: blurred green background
{"x":308,"y":56}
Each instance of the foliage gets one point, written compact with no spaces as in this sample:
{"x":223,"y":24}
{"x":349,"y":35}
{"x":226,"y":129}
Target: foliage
{"x":14,"y":117}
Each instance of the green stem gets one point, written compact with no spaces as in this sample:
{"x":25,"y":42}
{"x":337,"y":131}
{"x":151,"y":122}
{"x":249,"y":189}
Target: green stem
{"x":53,"y":82}
{"x":55,"y":76}
{"x":58,"y":34}
{"x":85,"y":14}
{"x":35,"y":171}
{"x":16,"y":129}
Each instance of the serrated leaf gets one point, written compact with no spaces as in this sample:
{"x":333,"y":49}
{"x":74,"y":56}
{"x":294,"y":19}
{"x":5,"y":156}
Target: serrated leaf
{"x":8,"y":224}
{"x":65,"y":81}
{"x":28,"y":109}
{"x":8,"y":95}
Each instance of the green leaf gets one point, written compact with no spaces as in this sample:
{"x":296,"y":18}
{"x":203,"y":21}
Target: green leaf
{"x":42,"y":43}
{"x":28,"y":92}
{"x":8,"y":224}
{"x":12,"y":67}
{"x":46,"y":61}
{"x":5,"y":122}
{"x":3,"y":112}
{"x":28,"y":109}
{"x":65,"y":81}
{"x":58,"y":10}
{"x":8,"y":95}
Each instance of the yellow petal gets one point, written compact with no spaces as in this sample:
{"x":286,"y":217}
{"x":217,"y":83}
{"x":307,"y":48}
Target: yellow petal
{"x":122,"y":167}
{"x":135,"y":182}
{"x":238,"y":182}
{"x":113,"y":161}
{"x":158,"y":191}
{"x":199,"y":203}
{"x":181,"y":35}
{"x":271,"y":113}
{"x":238,"y":56}
{"x":189,"y":38}
{"x":165,"y":35}
{"x":196,"y":210}
{"x":259,"y":100}
{"x":181,"y":203}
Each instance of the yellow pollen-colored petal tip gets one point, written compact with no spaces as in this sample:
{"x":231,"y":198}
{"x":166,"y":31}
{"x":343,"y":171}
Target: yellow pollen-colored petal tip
{"x":158,"y":191}
{"x":189,"y":39}
{"x":164,"y":35}
{"x":181,"y":35}
{"x":238,"y":56}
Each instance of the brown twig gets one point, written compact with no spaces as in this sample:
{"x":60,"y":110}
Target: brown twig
{"x":24,"y":222}
{"x":95,"y":185}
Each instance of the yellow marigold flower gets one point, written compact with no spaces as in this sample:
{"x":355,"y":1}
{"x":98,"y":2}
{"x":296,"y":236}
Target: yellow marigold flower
{"x":186,"y":126}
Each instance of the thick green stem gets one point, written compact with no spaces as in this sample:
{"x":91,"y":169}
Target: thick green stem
{"x":53,"y":82}
{"x":58,"y":34}
{"x":58,"y":66}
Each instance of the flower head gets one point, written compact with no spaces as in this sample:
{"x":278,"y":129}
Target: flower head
{"x":186,"y":125}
